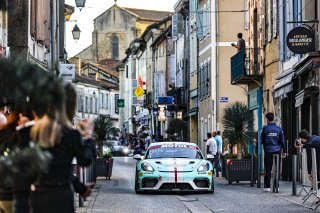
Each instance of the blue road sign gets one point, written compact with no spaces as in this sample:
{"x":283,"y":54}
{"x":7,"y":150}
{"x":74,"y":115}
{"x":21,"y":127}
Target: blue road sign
{"x":224,"y":99}
{"x":165,"y":100}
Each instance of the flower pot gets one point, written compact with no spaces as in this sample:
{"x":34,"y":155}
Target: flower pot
{"x":239,"y":170}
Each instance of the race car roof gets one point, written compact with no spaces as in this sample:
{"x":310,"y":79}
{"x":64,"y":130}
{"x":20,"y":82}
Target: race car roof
{"x":173,"y":142}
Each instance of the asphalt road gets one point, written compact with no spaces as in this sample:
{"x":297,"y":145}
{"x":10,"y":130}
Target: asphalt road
{"x":117,"y":195}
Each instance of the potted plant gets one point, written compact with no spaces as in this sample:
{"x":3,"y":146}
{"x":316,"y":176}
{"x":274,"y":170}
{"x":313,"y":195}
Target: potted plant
{"x":237,"y":121}
{"x":104,"y":128}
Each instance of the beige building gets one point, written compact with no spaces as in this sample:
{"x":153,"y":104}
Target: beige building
{"x":219,"y":30}
{"x":115,"y":29}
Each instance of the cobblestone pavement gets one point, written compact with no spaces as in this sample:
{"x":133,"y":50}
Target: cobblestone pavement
{"x":117,"y":196}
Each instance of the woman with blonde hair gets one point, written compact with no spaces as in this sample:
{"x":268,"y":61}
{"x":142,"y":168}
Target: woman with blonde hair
{"x":52,"y":192}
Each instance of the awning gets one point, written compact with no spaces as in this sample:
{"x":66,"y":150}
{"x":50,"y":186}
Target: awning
{"x":283,"y":84}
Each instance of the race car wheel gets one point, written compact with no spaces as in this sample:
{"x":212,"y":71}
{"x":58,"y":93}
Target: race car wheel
{"x":136,"y":184}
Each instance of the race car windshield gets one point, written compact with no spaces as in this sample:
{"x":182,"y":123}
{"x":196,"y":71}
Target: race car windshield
{"x":165,"y":151}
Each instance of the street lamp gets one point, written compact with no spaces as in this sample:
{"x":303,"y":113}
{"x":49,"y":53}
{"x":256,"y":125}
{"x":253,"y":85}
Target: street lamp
{"x":76,"y":32}
{"x":80,"y":3}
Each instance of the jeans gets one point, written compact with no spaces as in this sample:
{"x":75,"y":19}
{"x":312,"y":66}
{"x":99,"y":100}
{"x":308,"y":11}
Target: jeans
{"x":268,"y":163}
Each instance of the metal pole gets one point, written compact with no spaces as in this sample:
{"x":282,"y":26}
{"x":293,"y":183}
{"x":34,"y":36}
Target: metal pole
{"x":81,"y":179}
{"x":294,"y":175}
{"x":251,"y":171}
{"x":259,"y":136}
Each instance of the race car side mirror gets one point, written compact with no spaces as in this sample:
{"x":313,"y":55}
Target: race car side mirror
{"x":137,"y":157}
{"x":209,"y":157}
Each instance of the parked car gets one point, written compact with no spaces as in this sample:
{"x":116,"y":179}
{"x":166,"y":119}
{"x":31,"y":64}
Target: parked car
{"x":173,"y":166}
{"x":117,"y":148}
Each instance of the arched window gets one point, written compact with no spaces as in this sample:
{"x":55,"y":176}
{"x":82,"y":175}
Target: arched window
{"x":115,"y":47}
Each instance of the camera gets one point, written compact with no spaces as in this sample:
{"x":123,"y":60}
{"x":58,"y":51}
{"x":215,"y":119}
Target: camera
{"x":297,"y":142}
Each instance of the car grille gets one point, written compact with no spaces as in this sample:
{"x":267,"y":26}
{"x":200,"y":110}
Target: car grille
{"x":201,"y":183}
{"x":149,"y":182}
{"x":172,"y":186}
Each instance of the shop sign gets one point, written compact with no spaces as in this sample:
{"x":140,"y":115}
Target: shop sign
{"x":67,"y":71}
{"x":116,"y":98}
{"x":300,"y":40}
{"x":120,"y":103}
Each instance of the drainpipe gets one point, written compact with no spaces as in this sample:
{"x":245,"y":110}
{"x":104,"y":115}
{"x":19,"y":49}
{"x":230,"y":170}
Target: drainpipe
{"x":53,"y":5}
{"x":217,"y":67}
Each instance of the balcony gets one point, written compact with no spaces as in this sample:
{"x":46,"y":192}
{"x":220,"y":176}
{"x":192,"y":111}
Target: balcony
{"x":246,"y":67}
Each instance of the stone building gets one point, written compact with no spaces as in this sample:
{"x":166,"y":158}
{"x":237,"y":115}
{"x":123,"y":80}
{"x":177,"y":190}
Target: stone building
{"x":115,"y":29}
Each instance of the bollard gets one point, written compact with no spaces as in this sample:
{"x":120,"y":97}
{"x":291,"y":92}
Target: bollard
{"x":252,"y":171}
{"x":259,"y":173}
{"x":81,"y":179}
{"x":294,"y":174}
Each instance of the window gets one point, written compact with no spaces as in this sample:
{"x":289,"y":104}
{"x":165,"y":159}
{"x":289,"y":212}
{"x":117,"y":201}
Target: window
{"x":96,"y":105}
{"x":91,"y":104}
{"x":102,"y":100}
{"x":115,"y":47}
{"x":107,"y":101}
{"x":87,"y":104}
{"x":127,"y":71}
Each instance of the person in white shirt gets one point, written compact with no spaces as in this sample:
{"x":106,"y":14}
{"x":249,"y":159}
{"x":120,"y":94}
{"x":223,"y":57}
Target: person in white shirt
{"x":211,"y":145}
{"x":3,"y":118}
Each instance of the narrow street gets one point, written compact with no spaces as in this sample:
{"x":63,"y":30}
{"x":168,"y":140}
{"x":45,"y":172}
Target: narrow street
{"x":117,"y":195}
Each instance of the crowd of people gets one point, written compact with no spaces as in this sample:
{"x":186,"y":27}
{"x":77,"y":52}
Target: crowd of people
{"x":36,"y":113}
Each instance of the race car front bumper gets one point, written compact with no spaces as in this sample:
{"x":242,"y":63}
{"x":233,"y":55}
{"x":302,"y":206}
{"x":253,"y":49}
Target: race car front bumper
{"x":179,"y":181}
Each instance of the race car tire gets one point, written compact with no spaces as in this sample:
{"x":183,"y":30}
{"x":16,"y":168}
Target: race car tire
{"x":136,"y":184}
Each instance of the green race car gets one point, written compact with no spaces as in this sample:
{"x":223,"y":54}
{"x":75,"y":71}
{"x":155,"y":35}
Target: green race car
{"x":173,"y":166}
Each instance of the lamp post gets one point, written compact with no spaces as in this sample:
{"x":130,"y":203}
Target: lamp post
{"x":80,"y":3}
{"x":76,"y":32}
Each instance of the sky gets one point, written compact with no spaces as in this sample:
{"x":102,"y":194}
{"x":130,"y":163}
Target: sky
{"x":93,"y":9}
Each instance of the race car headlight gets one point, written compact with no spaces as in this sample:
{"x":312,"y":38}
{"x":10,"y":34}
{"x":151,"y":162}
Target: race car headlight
{"x":126,"y":150}
{"x":204,"y":167}
{"x":146,"y":167}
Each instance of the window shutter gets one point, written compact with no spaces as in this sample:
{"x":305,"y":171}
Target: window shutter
{"x":200,"y":24}
{"x":209,"y":78}
{"x":175,"y":27}
{"x":270,"y":16}
{"x":33,"y":18}
{"x":275,"y":18}
{"x":180,"y":23}
{"x":208,"y":12}
{"x":246,"y":15}
{"x":204,"y":25}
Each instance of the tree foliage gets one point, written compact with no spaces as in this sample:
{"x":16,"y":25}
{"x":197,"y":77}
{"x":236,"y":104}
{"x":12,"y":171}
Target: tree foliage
{"x":103,"y":129}
{"x":237,"y":121}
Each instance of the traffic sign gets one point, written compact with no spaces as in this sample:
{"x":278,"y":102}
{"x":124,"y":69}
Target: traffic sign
{"x":120,"y":103}
{"x":139,"y":92}
{"x":165,"y":100}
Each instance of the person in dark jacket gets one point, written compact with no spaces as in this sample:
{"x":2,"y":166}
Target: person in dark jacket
{"x":273,"y":142}
{"x":7,"y":142}
{"x":310,"y":141}
{"x":52,"y":191}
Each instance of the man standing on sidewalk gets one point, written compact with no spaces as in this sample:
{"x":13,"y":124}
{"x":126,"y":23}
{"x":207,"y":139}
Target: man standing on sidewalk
{"x":273,"y":142}
{"x":211,"y":146}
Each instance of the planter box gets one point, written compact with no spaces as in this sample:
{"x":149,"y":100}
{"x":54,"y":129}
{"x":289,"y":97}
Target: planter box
{"x":104,"y":167}
{"x":239,"y":170}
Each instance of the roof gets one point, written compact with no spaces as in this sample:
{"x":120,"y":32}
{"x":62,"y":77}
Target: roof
{"x":88,"y":80}
{"x":154,"y":15}
{"x":104,"y":68}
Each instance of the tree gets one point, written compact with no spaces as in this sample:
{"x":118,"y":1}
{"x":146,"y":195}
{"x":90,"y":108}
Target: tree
{"x":237,"y":121}
{"x":103,"y":129}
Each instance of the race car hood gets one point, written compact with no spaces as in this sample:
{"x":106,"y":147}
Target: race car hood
{"x":172,"y":164}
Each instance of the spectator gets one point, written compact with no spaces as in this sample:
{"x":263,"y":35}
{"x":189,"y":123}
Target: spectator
{"x":219,"y":145}
{"x":211,"y":145}
{"x":3,"y":110}
{"x":241,"y":44}
{"x":310,"y":141}
{"x":148,"y":141}
{"x":273,"y":142}
{"x":52,"y":192}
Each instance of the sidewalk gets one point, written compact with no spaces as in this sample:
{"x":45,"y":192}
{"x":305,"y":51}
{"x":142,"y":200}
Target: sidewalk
{"x":90,"y":201}
{"x":285,"y":192}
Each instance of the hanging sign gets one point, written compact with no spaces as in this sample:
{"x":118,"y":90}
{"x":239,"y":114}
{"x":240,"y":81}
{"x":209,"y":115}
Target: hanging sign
{"x":300,"y":40}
